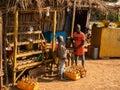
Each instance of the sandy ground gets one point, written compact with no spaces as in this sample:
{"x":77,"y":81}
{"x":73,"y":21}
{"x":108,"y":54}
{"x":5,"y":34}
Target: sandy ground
{"x":101,"y":75}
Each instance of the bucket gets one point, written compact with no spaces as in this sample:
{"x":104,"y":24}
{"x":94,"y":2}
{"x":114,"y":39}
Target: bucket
{"x":95,"y":52}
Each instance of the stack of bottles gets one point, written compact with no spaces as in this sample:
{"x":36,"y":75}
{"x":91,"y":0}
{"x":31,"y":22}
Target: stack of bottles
{"x":75,"y":72}
{"x":27,"y":83}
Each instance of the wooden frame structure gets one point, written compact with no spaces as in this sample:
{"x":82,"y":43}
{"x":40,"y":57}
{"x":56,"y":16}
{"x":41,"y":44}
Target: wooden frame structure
{"x":25,"y":67}
{"x":16,"y":33}
{"x":1,"y":59}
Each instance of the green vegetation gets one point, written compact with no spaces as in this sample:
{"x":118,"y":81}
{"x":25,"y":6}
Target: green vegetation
{"x":97,"y":15}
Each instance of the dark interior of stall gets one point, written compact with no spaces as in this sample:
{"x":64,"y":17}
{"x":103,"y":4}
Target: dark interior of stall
{"x":81,"y":18}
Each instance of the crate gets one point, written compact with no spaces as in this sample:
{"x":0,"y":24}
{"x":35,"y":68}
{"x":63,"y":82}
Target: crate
{"x":28,"y":83}
{"x":75,"y":72}
{"x":73,"y":76}
{"x":25,"y":86}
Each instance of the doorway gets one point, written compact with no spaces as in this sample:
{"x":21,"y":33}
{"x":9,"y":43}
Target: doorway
{"x":81,"y":19}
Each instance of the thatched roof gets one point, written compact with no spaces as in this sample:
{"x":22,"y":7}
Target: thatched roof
{"x":54,"y":4}
{"x":112,"y":5}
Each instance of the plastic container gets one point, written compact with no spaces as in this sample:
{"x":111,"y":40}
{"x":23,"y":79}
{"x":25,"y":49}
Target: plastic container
{"x":95,"y":52}
{"x":72,"y":76}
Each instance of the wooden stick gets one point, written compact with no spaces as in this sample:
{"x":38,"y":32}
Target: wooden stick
{"x":54,"y":30}
{"x":1,"y":78}
{"x":88,"y":15}
{"x":73,"y":18}
{"x":15,"y":44}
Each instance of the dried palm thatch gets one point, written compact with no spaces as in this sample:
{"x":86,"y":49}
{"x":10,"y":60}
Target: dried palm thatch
{"x":59,"y":5}
{"x":115,"y":5}
{"x":31,"y":4}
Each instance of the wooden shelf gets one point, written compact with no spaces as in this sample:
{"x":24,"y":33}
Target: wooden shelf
{"x":28,"y":65}
{"x":49,"y":45}
{"x":25,"y":25}
{"x":32,"y":64}
{"x":30,"y":53}
{"x":28,"y":32}
{"x":27,"y":42}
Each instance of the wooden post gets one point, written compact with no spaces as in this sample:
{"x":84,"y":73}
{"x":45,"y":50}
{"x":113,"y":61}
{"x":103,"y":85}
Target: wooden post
{"x":57,"y":3}
{"x":106,"y":17}
{"x":88,"y":18}
{"x":73,"y":18}
{"x":5,"y":20}
{"x":1,"y":79}
{"x":88,"y":15}
{"x":53,"y":39}
{"x":119,"y":14}
{"x":15,"y":44}
{"x":54,"y":30}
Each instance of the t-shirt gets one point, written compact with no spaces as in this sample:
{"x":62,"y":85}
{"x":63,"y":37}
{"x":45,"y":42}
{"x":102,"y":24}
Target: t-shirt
{"x":78,"y":40}
{"x":61,"y":51}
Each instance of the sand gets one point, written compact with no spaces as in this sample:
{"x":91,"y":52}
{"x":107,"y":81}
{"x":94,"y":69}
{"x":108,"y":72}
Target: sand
{"x":101,"y":75}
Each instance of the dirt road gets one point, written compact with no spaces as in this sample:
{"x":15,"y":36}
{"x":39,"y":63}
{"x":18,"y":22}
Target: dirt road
{"x":101,"y":75}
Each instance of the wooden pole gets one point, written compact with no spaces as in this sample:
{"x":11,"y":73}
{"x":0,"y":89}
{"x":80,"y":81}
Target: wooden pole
{"x":106,"y":17}
{"x":57,"y":3}
{"x":88,"y":18}
{"x":54,"y":30}
{"x":15,"y":44}
{"x":53,"y":38}
{"x":88,"y":15}
{"x":1,"y":78}
{"x":119,"y":14}
{"x":73,"y":18}
{"x":5,"y":20}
